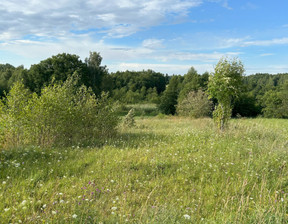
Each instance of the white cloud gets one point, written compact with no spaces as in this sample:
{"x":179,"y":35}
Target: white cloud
{"x":163,"y":68}
{"x":271,"y":69}
{"x":247,"y":42}
{"x":266,"y":54}
{"x":279,"y":41}
{"x":153,"y":43}
{"x":203,"y":57}
{"x":232,"y":42}
{"x":114,"y":17}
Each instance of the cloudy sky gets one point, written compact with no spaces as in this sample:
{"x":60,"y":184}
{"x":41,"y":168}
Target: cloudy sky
{"x":168,"y":36}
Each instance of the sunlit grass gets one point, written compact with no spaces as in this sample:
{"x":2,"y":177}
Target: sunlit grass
{"x":168,"y":170}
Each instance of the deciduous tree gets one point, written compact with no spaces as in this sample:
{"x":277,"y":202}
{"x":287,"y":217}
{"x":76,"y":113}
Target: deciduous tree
{"x":224,"y":85}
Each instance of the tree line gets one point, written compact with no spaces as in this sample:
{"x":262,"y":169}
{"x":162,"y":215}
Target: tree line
{"x":260,"y":95}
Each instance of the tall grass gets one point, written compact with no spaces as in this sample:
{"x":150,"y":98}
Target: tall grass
{"x":170,"y":170}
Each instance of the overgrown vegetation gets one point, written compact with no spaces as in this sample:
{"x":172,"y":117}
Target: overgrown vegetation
{"x":168,"y":170}
{"x":63,"y":114}
{"x":195,"y":105}
{"x":63,"y":160}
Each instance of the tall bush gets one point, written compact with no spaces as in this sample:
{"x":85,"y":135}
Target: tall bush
{"x":14,"y":112}
{"x":61,"y":115}
{"x":196,"y":104}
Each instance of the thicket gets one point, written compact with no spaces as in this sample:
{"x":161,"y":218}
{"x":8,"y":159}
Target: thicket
{"x":63,"y":114}
{"x":196,"y":104}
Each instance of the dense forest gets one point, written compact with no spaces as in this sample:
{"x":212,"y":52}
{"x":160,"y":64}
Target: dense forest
{"x":262,"y":94}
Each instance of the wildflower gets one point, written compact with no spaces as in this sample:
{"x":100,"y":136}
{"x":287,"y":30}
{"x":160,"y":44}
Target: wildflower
{"x":187,"y":216}
{"x":44,"y":206}
{"x":74,"y":216}
{"x":114,"y":208}
{"x":6,"y":209}
{"x":23,"y":202}
{"x":54,"y":212}
{"x":4,"y":182}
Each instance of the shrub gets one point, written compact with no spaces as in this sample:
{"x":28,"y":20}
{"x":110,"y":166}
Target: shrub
{"x":129,"y":120}
{"x":61,"y":115}
{"x":196,"y":104}
{"x":13,"y":117}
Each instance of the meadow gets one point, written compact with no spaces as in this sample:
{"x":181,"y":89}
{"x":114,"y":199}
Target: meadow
{"x":164,"y":170}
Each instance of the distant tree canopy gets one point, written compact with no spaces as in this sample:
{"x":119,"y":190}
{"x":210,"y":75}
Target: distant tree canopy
{"x":62,"y":66}
{"x":8,"y":75}
{"x":58,"y":67}
{"x":262,"y":94}
{"x":142,"y":86}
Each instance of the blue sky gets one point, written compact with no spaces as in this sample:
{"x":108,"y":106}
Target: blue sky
{"x":168,"y":36}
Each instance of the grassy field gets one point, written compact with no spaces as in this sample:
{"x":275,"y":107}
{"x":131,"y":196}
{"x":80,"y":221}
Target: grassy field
{"x":165,"y":170}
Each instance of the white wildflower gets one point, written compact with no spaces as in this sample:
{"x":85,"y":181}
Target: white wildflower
{"x":23,"y":202}
{"x":114,"y":208}
{"x":74,"y":216}
{"x":186,"y":216}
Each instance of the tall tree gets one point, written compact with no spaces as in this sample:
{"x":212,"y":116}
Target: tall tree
{"x":224,"y":85}
{"x":58,"y":67}
{"x":168,"y":101}
{"x":97,"y":74}
{"x":190,"y":83}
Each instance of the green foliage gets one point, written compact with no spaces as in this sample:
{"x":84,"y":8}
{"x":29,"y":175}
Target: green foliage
{"x":152,"y":96}
{"x":97,"y":76}
{"x":192,"y":82}
{"x":147,"y":86}
{"x":61,"y":115}
{"x":14,"y":114}
{"x":224,"y":85}
{"x":169,"y":98}
{"x":138,"y":87}
{"x":196,"y":104}
{"x":57,"y":68}
{"x":275,"y":103}
{"x":246,"y":105}
{"x":8,"y":75}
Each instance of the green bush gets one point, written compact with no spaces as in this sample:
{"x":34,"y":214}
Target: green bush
{"x":196,"y":104}
{"x":61,"y":115}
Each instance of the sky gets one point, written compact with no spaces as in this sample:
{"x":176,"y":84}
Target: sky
{"x":167,"y":36}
